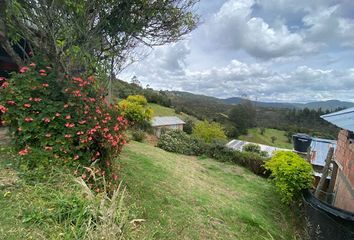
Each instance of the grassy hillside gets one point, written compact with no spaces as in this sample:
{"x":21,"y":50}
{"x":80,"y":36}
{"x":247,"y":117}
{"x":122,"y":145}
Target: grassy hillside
{"x":184,"y":197}
{"x":254,"y":135}
{"x":166,"y":111}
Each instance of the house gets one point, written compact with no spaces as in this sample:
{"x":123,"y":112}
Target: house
{"x":343,"y":168}
{"x":166,"y":122}
{"x":238,"y":145}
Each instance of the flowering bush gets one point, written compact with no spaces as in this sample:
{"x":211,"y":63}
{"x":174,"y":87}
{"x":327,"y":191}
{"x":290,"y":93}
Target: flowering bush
{"x":68,"y":118}
{"x":135,"y":109}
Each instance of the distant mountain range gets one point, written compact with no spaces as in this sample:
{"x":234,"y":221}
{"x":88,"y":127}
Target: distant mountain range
{"x":330,"y":104}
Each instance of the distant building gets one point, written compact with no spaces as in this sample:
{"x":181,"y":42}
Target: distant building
{"x":238,"y":145}
{"x":344,"y":159}
{"x":167,"y":122}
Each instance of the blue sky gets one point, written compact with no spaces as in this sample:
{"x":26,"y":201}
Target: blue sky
{"x":270,"y":50}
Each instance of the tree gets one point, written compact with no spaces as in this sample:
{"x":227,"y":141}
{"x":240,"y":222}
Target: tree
{"x":209,"y":131}
{"x":135,"y":111}
{"x":91,"y":35}
{"x":243,"y":116}
{"x":273,"y":139}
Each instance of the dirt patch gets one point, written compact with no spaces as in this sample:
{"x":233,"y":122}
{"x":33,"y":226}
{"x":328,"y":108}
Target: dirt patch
{"x":8,"y":177}
{"x":4,"y":136}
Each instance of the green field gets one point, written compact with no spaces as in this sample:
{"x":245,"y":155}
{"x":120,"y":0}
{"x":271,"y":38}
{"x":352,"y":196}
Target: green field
{"x":182,"y":197}
{"x":254,"y":135}
{"x":159,"y":110}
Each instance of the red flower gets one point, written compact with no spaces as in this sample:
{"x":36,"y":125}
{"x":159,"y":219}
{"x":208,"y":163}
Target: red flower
{"x":45,"y":85}
{"x":42,"y":71}
{"x":68,"y":117}
{"x":27,"y":105}
{"x":2,"y":78}
{"x":3,"y":109}
{"x":37,"y":99}
{"x":23,"y":152}
{"x":80,"y":133}
{"x":24,"y":69}
{"x":28,"y":119}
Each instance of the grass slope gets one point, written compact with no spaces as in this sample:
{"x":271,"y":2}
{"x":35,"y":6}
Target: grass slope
{"x":185,"y":197}
{"x":159,"y":110}
{"x":254,"y":135}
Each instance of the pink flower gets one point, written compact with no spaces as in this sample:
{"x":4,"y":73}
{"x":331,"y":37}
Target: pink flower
{"x":80,"y":133}
{"x":43,"y":74}
{"x":45,"y":85}
{"x":97,"y":190}
{"x":3,"y":109}
{"x":27,"y":105}
{"x":68,"y":117}
{"x":69,"y":125}
{"x":67,"y":136}
{"x":66,"y":106}
{"x":23,"y":152}
{"x":46,"y":120}
{"x":19,"y":129}
{"x":83,"y":176}
{"x":37,"y":99}
{"x":28,"y":119}
{"x":115,"y":177}
{"x":42,"y":71}
{"x":32,"y":65}
{"x":24,"y":69}
{"x":57,"y":114}
{"x":2,"y":78}
{"x":82,"y":122}
{"x":48,"y":135}
{"x":5,"y":85}
{"x":76,"y":157}
{"x":10,"y":102}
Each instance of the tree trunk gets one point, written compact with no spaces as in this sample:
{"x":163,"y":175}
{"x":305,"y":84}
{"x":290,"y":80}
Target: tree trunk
{"x":4,"y":40}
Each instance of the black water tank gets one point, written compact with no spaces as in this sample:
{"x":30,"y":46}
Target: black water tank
{"x":301,"y":142}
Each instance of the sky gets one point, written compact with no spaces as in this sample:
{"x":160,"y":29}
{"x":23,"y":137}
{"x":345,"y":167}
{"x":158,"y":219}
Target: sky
{"x":266,"y":50}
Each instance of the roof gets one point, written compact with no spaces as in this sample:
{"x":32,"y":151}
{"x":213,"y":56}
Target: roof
{"x":166,"y":121}
{"x":319,"y":150}
{"x":238,"y":145}
{"x":343,"y":119}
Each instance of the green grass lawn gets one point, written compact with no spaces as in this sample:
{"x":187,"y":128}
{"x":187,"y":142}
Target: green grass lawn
{"x":254,"y":135}
{"x":183,"y":197}
{"x":159,"y":110}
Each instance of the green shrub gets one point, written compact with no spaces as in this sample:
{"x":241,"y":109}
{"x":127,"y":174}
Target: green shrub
{"x":250,"y":147}
{"x":188,"y":127}
{"x":66,"y":117}
{"x":134,"y":109}
{"x":290,"y":173}
{"x":179,"y":142}
{"x":209,"y":131}
{"x":138,"y":135}
{"x":138,"y":99}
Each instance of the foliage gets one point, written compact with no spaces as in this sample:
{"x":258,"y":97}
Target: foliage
{"x":138,"y":135}
{"x":68,"y":119}
{"x":138,"y":99}
{"x":290,"y":173}
{"x":243,"y":116}
{"x":134,"y":109}
{"x":81,"y":35}
{"x":209,"y":131}
{"x":255,"y":148}
{"x":180,"y":142}
{"x":188,"y":127}
{"x":262,"y":130}
{"x":273,"y":139}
